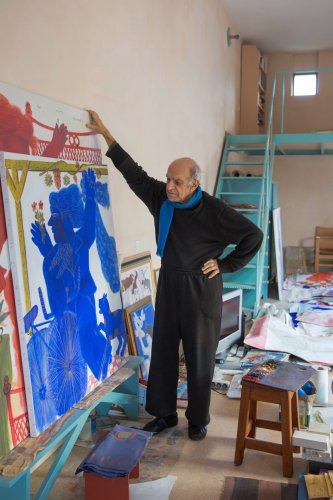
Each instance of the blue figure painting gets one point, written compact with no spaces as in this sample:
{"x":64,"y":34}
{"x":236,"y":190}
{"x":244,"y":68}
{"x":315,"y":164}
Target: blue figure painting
{"x":70,"y":285}
{"x":73,"y":320}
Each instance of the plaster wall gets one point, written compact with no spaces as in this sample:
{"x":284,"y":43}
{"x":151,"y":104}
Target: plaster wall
{"x":159,"y":72}
{"x":305,"y":183}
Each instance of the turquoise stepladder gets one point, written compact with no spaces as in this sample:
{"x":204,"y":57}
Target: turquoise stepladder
{"x":245,"y":183}
{"x":245,"y":179}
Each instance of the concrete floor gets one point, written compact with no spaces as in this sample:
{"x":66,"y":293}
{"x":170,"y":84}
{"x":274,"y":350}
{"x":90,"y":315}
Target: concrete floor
{"x":200,"y":467}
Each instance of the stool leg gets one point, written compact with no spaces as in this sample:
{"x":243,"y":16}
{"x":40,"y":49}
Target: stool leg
{"x":286,"y":429}
{"x":295,"y":418}
{"x":253,"y":418}
{"x":243,"y":423}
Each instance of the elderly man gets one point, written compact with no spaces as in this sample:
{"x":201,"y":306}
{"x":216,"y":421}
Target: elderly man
{"x":192,"y":230}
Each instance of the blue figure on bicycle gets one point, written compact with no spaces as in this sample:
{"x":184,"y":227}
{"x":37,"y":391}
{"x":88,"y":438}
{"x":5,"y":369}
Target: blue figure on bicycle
{"x":70,"y":285}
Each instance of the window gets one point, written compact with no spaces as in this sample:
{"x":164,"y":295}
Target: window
{"x":305,"y":84}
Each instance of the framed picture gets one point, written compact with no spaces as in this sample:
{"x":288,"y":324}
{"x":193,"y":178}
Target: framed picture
{"x":137,"y":279}
{"x":140,"y":321}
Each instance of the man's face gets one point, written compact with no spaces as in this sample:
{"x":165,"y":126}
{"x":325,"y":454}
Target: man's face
{"x":179,"y":185}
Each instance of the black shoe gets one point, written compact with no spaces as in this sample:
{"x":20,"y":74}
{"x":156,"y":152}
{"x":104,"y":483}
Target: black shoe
{"x":196,"y":432}
{"x":161,"y":423}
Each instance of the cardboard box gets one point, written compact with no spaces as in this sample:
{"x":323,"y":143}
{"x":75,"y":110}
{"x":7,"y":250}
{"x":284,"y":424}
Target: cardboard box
{"x":311,"y":440}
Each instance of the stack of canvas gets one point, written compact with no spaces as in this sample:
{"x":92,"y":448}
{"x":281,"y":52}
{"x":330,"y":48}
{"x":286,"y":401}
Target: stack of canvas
{"x":62,"y":255}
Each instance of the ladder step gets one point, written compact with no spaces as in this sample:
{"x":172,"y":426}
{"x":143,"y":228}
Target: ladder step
{"x":239,"y":140}
{"x":230,"y":284}
{"x":253,"y":210}
{"x":241,"y":177}
{"x":252,"y":266}
{"x":240,"y":193}
{"x":248,"y":309}
{"x":246,"y":148}
{"x":244,"y":163}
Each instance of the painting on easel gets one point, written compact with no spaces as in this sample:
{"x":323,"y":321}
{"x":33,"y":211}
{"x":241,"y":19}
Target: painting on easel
{"x":66,"y":281}
{"x":14,"y":422}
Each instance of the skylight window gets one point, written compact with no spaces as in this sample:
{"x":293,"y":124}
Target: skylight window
{"x":305,"y":84}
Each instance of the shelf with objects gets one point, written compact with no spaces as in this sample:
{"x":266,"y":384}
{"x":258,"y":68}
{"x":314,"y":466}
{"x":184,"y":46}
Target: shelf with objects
{"x":253,"y":90}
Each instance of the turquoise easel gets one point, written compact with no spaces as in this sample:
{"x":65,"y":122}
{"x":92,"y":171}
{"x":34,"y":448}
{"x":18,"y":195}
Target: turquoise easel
{"x":126,"y":394}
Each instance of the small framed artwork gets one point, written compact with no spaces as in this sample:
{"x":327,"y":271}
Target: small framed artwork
{"x":137,"y":278}
{"x":140,"y":321}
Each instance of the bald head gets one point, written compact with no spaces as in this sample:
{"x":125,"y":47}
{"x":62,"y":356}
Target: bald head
{"x":188,"y":166}
{"x":183,"y":178}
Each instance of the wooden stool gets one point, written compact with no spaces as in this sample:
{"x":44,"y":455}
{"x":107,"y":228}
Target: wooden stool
{"x":248,"y":423}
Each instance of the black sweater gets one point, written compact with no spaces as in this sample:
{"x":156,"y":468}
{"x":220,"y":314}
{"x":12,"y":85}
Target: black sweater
{"x":196,"y":234}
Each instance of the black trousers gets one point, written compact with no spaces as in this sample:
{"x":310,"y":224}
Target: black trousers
{"x":188,"y":307}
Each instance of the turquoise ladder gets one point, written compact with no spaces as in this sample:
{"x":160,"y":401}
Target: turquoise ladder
{"x":245,"y":182}
{"x":253,"y":193}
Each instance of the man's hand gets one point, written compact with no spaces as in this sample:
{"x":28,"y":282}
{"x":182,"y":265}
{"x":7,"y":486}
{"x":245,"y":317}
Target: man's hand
{"x":98,"y":127}
{"x":211,"y":267}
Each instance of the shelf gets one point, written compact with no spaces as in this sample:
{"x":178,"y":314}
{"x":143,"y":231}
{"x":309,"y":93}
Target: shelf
{"x":253,"y":90}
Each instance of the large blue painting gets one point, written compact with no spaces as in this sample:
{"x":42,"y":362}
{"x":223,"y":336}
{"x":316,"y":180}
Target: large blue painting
{"x":66,"y":281}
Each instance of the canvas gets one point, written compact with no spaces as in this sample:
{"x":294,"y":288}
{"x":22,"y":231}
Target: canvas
{"x":137,"y":279}
{"x":140,"y":323}
{"x":14,"y":423}
{"x":278,"y":250}
{"x":156,"y":275}
{"x":34,"y":124}
{"x":66,"y":281}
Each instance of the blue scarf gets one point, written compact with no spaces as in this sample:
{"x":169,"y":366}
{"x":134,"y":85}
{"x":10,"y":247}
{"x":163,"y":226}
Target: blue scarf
{"x":166,"y":214}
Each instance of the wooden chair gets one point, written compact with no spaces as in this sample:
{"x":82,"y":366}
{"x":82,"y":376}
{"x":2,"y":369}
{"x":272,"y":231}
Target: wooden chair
{"x":323,"y":248}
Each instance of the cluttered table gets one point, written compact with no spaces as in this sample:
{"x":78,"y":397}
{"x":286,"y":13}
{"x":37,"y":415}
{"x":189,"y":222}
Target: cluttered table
{"x":296,"y":329}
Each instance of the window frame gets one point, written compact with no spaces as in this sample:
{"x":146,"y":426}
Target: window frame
{"x":310,"y":73}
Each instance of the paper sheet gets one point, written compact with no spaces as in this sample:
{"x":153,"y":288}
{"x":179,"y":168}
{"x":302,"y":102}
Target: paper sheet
{"x":160,"y":488}
{"x":272,"y":334}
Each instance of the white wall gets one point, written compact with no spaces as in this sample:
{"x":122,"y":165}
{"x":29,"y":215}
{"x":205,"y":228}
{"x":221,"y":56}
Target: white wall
{"x":305,"y":183}
{"x":159,"y":72}
{"x":305,"y":187}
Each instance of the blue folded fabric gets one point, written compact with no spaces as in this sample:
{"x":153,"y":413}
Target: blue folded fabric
{"x":117,"y":453}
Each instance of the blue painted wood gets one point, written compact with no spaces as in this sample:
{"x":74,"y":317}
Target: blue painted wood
{"x":15,"y":488}
{"x":61,"y":456}
{"x":126,"y":394}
